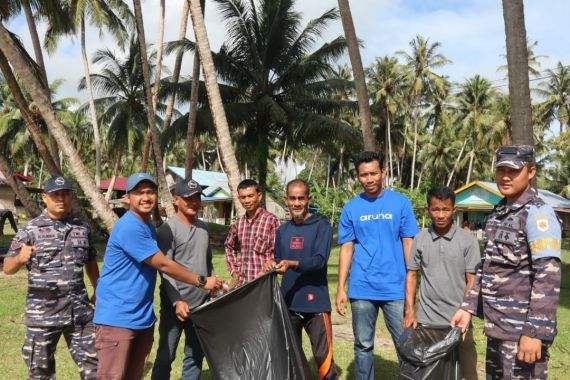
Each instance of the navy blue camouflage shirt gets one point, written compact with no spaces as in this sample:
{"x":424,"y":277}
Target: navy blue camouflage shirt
{"x":56,"y":291}
{"x":517,"y":287}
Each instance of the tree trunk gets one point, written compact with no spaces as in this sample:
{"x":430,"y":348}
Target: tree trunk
{"x":471,"y":157}
{"x":116,"y":168}
{"x":35,"y":41}
{"x":36,"y":136}
{"x":414,"y":152}
{"x":148,"y":137}
{"x":177,"y":65}
{"x":517,"y":61}
{"x":340,"y":165}
{"x":164,"y":192}
{"x":401,"y":174}
{"x":456,"y":162}
{"x":218,"y":113}
{"x":389,"y":141}
{"x":193,"y":111}
{"x":21,"y":192}
{"x":358,"y":72}
{"x":35,"y":88}
{"x":92,"y":108}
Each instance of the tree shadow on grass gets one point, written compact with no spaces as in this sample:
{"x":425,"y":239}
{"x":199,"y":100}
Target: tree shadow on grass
{"x":383,"y":369}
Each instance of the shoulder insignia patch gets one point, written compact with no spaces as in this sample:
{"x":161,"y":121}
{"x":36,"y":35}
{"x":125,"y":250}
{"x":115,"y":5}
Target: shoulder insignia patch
{"x":542,"y":225}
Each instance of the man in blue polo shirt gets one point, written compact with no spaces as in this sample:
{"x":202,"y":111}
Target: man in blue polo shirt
{"x":124,"y":313}
{"x":375,"y":232}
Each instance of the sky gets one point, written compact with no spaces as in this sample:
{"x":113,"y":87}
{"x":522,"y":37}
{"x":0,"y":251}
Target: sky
{"x":471,"y":34}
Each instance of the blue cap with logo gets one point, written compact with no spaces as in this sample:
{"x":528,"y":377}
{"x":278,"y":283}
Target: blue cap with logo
{"x":56,"y":183}
{"x":137,"y":178}
{"x":514,"y":156}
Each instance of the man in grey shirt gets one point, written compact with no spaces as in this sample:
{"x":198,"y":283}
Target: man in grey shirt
{"x":184,"y":239}
{"x":447,"y":257}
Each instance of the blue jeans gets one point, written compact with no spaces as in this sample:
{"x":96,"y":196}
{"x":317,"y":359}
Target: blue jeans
{"x":364,"y":315}
{"x":170,"y":329}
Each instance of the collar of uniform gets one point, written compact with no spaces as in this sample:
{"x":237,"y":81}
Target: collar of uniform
{"x":44,"y":220}
{"x":525,"y":197}
{"x":448,"y":236}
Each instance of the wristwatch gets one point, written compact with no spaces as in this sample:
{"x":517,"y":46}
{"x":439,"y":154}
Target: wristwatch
{"x":201,"y":281}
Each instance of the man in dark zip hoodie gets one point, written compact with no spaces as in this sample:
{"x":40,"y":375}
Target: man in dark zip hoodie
{"x":302,"y":248}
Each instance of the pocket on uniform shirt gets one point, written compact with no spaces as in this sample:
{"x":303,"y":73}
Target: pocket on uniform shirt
{"x":80,"y":250}
{"x":48,"y":258}
{"x":508,"y":255}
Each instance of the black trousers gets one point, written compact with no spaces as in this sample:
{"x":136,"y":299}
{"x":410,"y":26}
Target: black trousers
{"x":7,"y":214}
{"x":319,"y":329}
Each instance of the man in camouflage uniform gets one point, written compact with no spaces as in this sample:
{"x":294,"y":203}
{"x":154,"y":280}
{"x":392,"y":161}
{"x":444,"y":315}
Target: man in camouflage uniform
{"x":518,"y":284}
{"x":55,"y":247}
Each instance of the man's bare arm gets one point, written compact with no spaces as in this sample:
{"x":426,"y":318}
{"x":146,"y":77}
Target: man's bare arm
{"x":407,"y":246}
{"x":344,"y":261}
{"x":163,"y":264}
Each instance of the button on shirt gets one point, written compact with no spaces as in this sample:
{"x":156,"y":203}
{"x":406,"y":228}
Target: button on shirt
{"x":56,"y":289}
{"x":254,"y":239}
{"x":443,"y":261}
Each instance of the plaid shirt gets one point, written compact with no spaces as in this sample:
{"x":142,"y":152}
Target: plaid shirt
{"x":254,"y":239}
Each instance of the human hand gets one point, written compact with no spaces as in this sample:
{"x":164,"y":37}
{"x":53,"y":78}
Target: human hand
{"x":182,"y":310}
{"x":213,"y":283}
{"x":25,"y":254}
{"x":269,"y":265}
{"x":461,"y":319}
{"x":283,"y":266}
{"x":410,"y":320}
{"x":235,"y":281}
{"x":530,"y":349}
{"x":341,"y":302}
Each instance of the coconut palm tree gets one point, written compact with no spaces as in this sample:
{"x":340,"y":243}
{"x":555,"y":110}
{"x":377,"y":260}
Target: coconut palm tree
{"x":113,"y":16}
{"x":359,"y":77}
{"x":122,"y":103}
{"x":267,"y":60}
{"x":150,"y":113}
{"x":556,"y":92}
{"x":387,"y":85}
{"x":420,"y":62}
{"x":20,"y":61}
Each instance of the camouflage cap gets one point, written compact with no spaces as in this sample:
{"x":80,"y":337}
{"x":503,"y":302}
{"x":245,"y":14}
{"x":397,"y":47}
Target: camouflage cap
{"x":56,"y":183}
{"x":514,"y":156}
{"x":186,"y":188}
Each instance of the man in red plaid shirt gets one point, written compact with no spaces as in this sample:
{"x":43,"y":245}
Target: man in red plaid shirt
{"x":251,"y":240}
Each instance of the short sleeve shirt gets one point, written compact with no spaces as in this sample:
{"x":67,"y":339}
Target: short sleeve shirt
{"x":443,"y":261}
{"x":126,"y":287}
{"x":377,"y":226}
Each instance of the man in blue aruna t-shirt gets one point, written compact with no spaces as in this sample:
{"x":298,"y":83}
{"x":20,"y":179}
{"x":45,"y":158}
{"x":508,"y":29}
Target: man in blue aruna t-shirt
{"x":302,"y":248}
{"x":375,"y":231}
{"x":124,"y":314}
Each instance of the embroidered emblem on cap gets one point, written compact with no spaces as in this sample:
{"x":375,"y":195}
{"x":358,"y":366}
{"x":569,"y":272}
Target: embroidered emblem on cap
{"x":192,"y":185}
{"x":59,"y":181}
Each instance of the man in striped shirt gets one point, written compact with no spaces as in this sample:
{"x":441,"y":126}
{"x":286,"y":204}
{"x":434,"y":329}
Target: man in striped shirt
{"x":251,"y":240}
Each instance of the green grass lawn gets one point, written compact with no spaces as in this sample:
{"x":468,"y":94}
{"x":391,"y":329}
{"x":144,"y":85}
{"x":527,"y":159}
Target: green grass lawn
{"x":13,"y":292}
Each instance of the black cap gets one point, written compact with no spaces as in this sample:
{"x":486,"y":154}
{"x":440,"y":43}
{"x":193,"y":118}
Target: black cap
{"x":514,"y":156}
{"x":57,"y":183}
{"x":186,"y":188}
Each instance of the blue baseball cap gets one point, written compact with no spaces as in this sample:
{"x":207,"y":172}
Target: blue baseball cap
{"x":137,"y":178}
{"x":56,"y":183}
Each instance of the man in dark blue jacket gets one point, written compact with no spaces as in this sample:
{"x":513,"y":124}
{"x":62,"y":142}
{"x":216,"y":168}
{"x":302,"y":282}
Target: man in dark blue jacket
{"x":302,"y":248}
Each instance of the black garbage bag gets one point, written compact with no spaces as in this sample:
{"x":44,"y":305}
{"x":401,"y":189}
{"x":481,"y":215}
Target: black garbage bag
{"x":429,"y":353}
{"x":247,"y":334}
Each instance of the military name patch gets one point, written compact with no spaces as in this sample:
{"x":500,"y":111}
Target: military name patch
{"x":506,"y":236}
